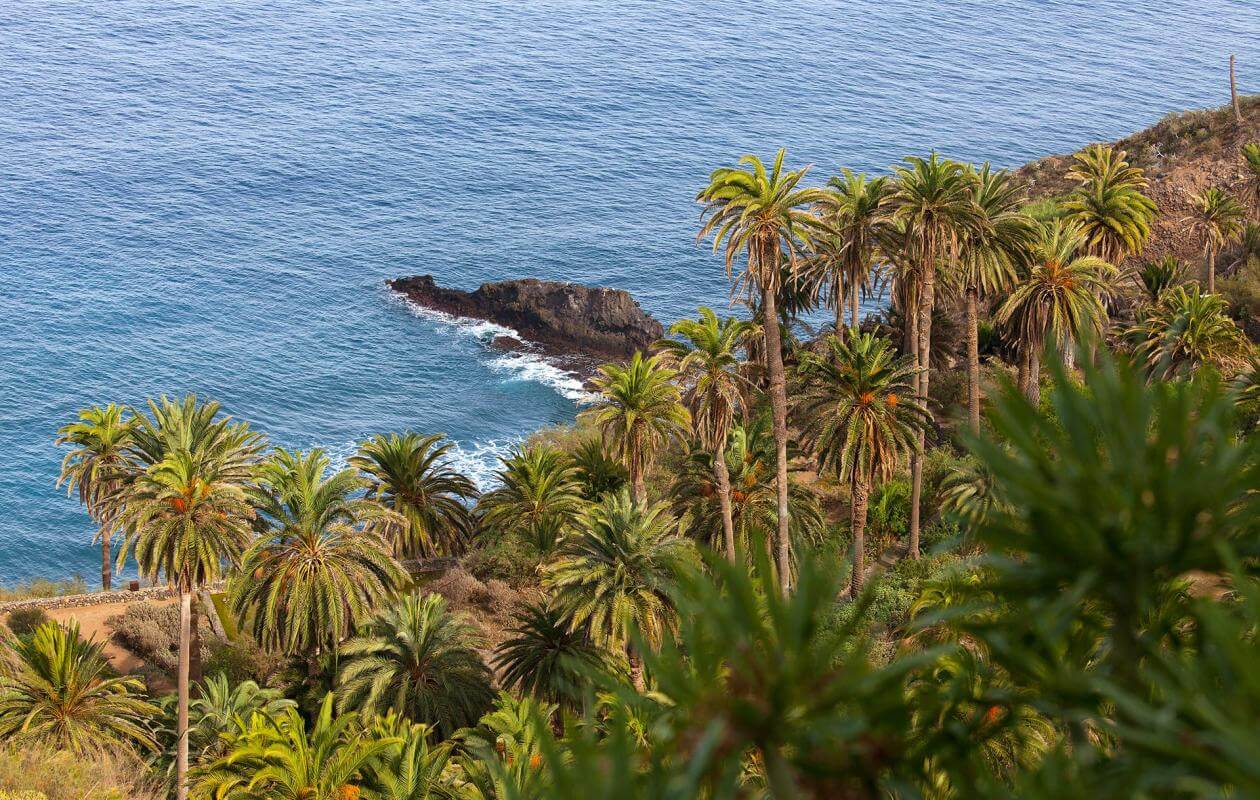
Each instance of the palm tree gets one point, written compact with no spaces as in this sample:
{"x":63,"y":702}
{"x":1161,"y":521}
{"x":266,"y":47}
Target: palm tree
{"x":933,"y":201}
{"x":750,"y":454}
{"x":411,"y":769}
{"x":1059,"y":299}
{"x":544,"y":656}
{"x":615,"y":575}
{"x":597,"y":472}
{"x":853,"y":210}
{"x":187,"y":514}
{"x":60,"y":691}
{"x":216,"y":717}
{"x":1157,"y":277}
{"x":763,"y":215}
{"x":411,"y":474}
{"x":276,"y":757}
{"x":990,"y":258}
{"x":98,"y":469}
{"x":503,"y":756}
{"x":539,"y":495}
{"x":1218,"y":219}
{"x":709,"y":360}
{"x":1110,"y":205}
{"x":1185,"y":331}
{"x":859,"y":420}
{"x":639,"y":410}
{"x":319,"y":568}
{"x":419,"y":660}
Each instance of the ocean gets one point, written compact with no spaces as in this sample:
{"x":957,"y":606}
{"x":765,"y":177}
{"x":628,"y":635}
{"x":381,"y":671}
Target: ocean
{"x":207,"y":197}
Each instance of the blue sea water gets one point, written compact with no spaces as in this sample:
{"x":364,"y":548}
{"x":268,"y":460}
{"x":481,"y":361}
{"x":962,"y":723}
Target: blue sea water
{"x":208,"y":196}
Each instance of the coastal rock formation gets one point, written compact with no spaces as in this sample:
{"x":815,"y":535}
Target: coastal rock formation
{"x":561,"y":318}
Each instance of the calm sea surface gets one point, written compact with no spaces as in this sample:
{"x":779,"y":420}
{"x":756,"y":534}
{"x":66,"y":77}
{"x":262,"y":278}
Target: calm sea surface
{"x":207,"y":197}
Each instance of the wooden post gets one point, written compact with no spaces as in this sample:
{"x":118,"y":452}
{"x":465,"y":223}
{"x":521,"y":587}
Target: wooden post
{"x":1233,"y":90}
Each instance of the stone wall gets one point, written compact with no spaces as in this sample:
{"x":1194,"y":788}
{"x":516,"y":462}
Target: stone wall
{"x":95,"y":598}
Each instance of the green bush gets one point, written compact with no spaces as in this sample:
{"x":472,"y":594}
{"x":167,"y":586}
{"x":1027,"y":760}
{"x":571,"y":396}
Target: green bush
{"x":243,"y":660}
{"x":151,"y":631}
{"x":35,"y":772}
{"x":24,"y":621}
{"x":507,"y":558}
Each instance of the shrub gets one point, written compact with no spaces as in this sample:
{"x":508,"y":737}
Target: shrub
{"x":888,"y":513}
{"x":243,"y":660}
{"x":507,"y":558}
{"x":464,"y":592}
{"x":23,"y":621}
{"x":151,"y":631}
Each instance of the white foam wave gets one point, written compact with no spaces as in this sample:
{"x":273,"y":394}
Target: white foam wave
{"x":480,"y":461}
{"x":516,"y":366}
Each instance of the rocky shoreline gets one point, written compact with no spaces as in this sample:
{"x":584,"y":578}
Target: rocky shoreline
{"x":567,"y":321}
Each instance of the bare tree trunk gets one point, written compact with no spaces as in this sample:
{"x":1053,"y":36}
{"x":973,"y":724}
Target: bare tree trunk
{"x":1068,"y":345}
{"x":181,"y":729}
{"x":927,"y":300}
{"x":1211,"y":265}
{"x":1021,"y":379}
{"x":840,"y":302}
{"x":638,"y":487}
{"x":1233,"y":91}
{"x":973,"y":358}
{"x":724,"y":500}
{"x":853,"y":307}
{"x":857,"y":523}
{"x":107,"y":563}
{"x":778,"y":405}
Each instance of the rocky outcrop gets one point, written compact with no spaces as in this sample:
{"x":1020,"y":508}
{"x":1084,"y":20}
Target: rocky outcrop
{"x":561,"y":318}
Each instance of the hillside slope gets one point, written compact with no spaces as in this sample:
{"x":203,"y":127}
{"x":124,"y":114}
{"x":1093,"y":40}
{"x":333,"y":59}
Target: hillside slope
{"x":1182,"y":154}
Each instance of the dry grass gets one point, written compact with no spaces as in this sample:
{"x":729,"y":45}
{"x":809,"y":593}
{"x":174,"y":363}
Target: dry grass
{"x":32,"y":772}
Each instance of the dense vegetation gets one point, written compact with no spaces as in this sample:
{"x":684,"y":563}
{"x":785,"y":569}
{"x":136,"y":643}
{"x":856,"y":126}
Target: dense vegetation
{"x":1000,"y":541}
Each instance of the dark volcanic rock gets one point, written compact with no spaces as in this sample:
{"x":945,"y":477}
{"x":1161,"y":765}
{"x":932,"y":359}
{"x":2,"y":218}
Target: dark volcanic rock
{"x":559,"y":317}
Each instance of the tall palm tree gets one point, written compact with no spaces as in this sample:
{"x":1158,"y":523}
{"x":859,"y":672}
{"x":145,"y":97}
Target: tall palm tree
{"x":1218,"y":219}
{"x":859,"y":419}
{"x":764,"y":216}
{"x":543,"y":655}
{"x":615,"y":576}
{"x":97,"y":468}
{"x":411,"y":474}
{"x":539,"y":495}
{"x":708,"y":359}
{"x":750,"y":454}
{"x":640,"y":408}
{"x":853,"y":210}
{"x":991,"y":254}
{"x":60,"y":691}
{"x":187,"y":514}
{"x":1186,"y":331}
{"x":933,"y":202}
{"x":280,"y":757}
{"x":1059,"y":299}
{"x":417,"y":659}
{"x":1110,"y":205}
{"x":319,"y":568}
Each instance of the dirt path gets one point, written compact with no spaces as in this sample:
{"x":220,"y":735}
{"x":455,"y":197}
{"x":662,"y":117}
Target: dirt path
{"x":92,"y":626}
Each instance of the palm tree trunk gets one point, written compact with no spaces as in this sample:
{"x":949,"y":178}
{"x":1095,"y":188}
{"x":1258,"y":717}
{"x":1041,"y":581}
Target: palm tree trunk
{"x":107,"y":563}
{"x":853,"y":307}
{"x":1068,"y":346}
{"x":927,"y":300}
{"x":724,"y":499}
{"x":973,"y":358}
{"x":636,"y":670}
{"x":857,"y":524}
{"x":639,"y":488}
{"x":1021,"y":379}
{"x":916,"y":457}
{"x":1211,"y":271}
{"x":194,"y":644}
{"x":181,"y":730}
{"x":840,"y":302}
{"x":1034,"y":375}
{"x":778,"y":405}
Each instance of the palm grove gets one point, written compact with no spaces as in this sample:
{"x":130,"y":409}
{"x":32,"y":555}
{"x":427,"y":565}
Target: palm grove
{"x":998,"y":541}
